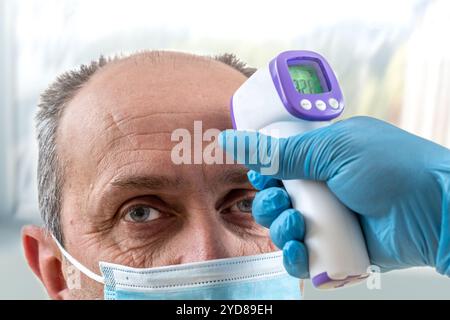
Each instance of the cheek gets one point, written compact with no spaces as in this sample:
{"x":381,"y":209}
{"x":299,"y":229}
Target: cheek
{"x":249,"y":241}
{"x":260,"y":243}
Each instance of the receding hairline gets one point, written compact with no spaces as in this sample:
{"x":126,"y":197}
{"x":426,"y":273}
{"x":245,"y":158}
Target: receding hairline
{"x":162,"y":58}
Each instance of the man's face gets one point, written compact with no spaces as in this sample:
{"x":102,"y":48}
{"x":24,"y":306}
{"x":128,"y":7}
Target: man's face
{"x":124,"y":200}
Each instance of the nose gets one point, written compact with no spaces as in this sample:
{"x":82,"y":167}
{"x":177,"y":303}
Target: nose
{"x":206,"y":238}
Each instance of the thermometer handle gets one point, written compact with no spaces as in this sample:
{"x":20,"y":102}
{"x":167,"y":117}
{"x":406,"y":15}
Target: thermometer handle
{"x":336,"y":248}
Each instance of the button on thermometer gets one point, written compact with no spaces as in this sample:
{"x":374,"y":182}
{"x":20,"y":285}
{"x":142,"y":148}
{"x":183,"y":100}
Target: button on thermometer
{"x":295,"y":93}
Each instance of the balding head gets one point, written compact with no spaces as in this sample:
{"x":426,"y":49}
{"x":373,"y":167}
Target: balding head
{"x":107,"y":181}
{"x":70,"y":85}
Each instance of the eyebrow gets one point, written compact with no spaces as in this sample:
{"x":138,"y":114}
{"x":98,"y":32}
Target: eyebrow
{"x":154,"y":182}
{"x":235,"y":176}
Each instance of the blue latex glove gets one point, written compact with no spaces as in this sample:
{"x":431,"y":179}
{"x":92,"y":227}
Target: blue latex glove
{"x":398,"y":183}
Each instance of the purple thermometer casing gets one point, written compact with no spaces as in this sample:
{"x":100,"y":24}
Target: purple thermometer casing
{"x":291,"y":98}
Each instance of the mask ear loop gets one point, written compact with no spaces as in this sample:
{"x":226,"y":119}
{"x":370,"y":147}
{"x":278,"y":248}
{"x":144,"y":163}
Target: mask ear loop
{"x":88,"y":273}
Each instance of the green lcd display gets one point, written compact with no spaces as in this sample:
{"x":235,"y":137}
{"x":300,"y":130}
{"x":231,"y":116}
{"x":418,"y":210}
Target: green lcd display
{"x":305,"y":78}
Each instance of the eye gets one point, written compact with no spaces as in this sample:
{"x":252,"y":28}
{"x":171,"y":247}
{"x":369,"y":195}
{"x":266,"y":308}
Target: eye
{"x":244,"y":205}
{"x":141,"y":214}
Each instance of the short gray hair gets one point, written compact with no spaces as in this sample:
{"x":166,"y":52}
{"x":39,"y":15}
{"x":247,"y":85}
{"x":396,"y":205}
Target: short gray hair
{"x":50,"y":109}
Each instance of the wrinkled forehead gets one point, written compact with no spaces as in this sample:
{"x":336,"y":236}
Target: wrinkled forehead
{"x":140,"y":101}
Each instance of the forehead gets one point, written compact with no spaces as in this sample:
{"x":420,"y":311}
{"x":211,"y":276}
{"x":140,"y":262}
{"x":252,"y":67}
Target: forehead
{"x":128,"y":110}
{"x":177,"y":83}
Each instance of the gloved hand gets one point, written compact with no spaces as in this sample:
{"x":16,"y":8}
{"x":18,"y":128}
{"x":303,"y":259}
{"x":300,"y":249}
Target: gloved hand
{"x":397,"y":183}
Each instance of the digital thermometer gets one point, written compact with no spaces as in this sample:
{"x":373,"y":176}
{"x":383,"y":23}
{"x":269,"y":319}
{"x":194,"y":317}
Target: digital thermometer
{"x":295,"y":93}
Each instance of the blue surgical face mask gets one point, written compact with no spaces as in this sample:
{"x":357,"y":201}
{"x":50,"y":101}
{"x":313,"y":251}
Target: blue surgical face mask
{"x":251,"y":277}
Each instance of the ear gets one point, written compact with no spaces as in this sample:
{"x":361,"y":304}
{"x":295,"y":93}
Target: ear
{"x":44,"y":259}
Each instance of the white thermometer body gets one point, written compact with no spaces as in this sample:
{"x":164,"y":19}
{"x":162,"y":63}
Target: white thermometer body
{"x":298,"y":92}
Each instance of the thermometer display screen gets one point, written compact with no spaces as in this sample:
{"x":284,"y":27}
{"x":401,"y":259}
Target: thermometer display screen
{"x":305,"y":78}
